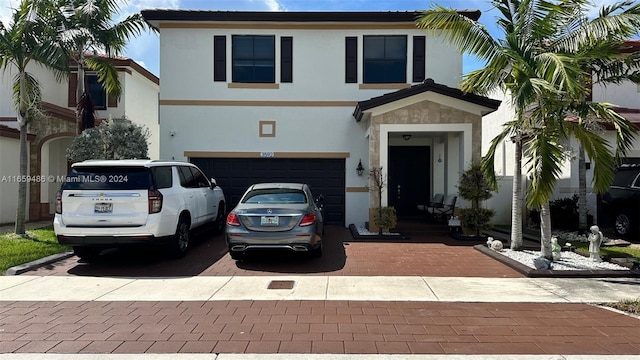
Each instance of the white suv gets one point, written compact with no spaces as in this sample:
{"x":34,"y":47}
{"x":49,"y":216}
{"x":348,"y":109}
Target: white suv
{"x":110,"y":203}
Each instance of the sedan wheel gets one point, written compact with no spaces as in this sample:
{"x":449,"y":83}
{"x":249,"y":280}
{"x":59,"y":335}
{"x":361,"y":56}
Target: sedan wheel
{"x":317,"y":252}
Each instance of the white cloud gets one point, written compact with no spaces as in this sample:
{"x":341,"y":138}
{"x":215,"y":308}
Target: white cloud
{"x":274,"y":5}
{"x":6,"y":10}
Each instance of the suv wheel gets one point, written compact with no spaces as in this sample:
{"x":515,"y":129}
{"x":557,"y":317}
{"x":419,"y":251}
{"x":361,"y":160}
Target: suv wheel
{"x":86,"y":253}
{"x":179,"y":245}
{"x":622,"y":224}
{"x":220,"y":220}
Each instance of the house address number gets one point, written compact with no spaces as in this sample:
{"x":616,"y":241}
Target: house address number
{"x":267,"y":154}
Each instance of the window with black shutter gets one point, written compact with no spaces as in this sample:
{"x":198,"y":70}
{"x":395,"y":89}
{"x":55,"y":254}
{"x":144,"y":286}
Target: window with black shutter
{"x":351,"y":60}
{"x":418,"y":58}
{"x":219,"y":58}
{"x":286,"y":59}
{"x":253,"y":58}
{"x":385,"y":59}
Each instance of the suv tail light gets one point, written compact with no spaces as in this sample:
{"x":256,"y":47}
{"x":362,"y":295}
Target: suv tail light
{"x":307,"y":220}
{"x":155,"y":201}
{"x":232,"y":220}
{"x":59,"y":202}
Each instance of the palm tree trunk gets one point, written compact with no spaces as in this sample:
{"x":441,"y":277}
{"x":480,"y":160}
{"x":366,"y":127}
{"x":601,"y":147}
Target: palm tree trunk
{"x":22,"y":185}
{"x":516,"y":205}
{"x":545,"y":231}
{"x":79,"y":86}
{"x":582,"y":190}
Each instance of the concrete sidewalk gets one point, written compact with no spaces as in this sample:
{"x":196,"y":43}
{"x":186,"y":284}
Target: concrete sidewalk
{"x":330,"y":288}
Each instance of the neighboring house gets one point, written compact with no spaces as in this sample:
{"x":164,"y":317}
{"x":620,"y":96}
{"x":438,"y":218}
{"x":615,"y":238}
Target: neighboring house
{"x":625,"y":97}
{"x":308,"y":96}
{"x":49,"y":138}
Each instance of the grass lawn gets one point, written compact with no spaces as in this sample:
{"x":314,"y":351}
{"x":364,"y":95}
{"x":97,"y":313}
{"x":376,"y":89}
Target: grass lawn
{"x":16,"y":250}
{"x":609,"y":251}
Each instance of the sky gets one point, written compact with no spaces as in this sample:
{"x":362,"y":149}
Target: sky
{"x":145,"y":48}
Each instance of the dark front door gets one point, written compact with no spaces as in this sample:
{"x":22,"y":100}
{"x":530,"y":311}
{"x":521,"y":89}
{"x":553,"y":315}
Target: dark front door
{"x":408,"y":178}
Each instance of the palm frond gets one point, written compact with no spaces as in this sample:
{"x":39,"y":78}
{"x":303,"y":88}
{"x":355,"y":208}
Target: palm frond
{"x":466,"y":34}
{"x":26,"y":97}
{"x":545,"y":154}
{"x":488,"y":161}
{"x":107,"y":74}
{"x":598,"y":150}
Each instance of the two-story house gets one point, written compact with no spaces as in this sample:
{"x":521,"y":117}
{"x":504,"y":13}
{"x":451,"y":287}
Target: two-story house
{"x":310,"y":96}
{"x":49,"y":138}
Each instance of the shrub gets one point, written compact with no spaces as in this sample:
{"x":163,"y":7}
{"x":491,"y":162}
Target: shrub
{"x":564,"y":214}
{"x":112,"y":139}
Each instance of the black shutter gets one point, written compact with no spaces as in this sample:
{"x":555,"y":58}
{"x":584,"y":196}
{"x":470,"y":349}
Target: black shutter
{"x":219,"y":58}
{"x":286,"y":59}
{"x":351,"y":60}
{"x":418,"y":58}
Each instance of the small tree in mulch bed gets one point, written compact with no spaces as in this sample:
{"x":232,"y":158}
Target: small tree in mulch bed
{"x":385,"y":217}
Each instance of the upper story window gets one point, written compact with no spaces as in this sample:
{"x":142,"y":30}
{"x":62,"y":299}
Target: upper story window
{"x":253,"y":58}
{"x":385,"y":59}
{"x":98,"y":93}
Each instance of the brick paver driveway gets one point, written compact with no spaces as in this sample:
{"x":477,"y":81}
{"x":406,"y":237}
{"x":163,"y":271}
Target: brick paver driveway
{"x":427,"y":252}
{"x":309,"y":326}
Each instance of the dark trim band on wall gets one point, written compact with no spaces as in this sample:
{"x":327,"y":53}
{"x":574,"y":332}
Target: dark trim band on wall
{"x":351,"y":59}
{"x":286,"y":59}
{"x":418,"y":58}
{"x":219,"y":58}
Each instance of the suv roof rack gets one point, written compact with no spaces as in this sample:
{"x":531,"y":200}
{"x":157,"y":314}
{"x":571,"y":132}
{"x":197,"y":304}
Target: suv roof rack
{"x":629,"y":166}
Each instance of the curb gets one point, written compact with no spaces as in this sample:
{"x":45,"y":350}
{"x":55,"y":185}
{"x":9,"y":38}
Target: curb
{"x":19,"y":269}
{"x":357,"y":236}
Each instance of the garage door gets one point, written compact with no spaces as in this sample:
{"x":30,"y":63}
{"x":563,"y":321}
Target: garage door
{"x":324,"y":176}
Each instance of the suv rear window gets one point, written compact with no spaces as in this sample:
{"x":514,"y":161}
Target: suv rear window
{"x":162,"y":176}
{"x":625,"y":177}
{"x":108,"y":178}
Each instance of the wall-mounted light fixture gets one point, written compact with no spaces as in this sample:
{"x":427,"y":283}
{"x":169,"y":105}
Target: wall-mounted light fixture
{"x":406,"y":137}
{"x":360,"y":168}
{"x":439,"y":157}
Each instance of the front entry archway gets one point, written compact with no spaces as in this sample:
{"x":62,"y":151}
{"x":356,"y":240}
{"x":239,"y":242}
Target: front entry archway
{"x":53,"y":165}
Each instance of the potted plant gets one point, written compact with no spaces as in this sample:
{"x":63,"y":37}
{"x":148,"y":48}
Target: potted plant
{"x":385,"y":219}
{"x":473,"y":186}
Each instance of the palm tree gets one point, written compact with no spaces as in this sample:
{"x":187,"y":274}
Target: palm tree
{"x":613,"y":67}
{"x":537,"y":61}
{"x":86,"y":27}
{"x":28,"y":40}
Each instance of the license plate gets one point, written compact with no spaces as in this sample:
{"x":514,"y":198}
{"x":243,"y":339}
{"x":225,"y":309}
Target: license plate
{"x":269,"y":220}
{"x":103,"y":208}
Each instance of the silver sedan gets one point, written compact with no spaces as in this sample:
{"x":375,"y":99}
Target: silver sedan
{"x":276,"y":216}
